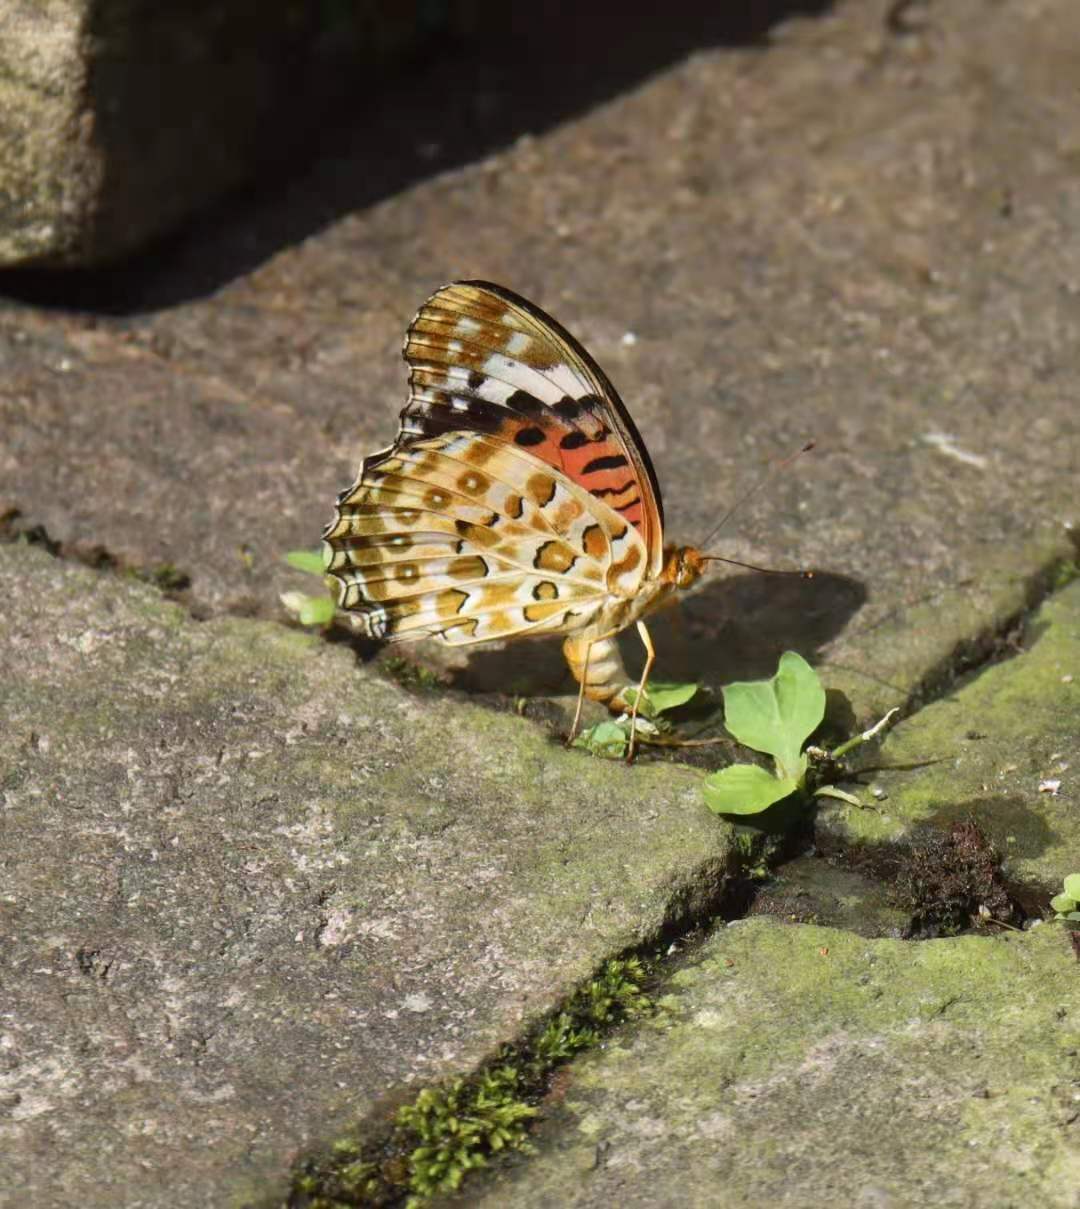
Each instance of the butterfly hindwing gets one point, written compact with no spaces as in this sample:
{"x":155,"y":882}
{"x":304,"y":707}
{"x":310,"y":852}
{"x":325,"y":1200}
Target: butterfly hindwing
{"x":467,"y":538}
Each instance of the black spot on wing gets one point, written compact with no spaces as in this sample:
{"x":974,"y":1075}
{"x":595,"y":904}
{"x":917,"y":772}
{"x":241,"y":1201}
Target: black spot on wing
{"x":434,"y":419}
{"x":611,"y":462}
{"x":567,"y":408}
{"x":528,"y":405}
{"x":529,"y":436}
{"x":574,"y":440}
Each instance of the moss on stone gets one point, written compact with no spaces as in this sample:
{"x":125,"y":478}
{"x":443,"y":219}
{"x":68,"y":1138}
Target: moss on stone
{"x":447,"y":1131}
{"x":805,"y":1065}
{"x":989,"y":752}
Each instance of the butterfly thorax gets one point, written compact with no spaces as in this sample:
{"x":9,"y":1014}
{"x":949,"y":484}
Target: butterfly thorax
{"x":682,"y":566}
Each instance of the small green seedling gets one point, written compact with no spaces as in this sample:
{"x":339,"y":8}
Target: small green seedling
{"x":309,"y":610}
{"x":1067,"y":904}
{"x":611,"y":738}
{"x":776,"y":717}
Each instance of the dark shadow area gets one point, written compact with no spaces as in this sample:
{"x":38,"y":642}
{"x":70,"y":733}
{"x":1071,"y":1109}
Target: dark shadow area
{"x":816,"y":889}
{"x":518,"y":69}
{"x":734,"y":628}
{"x":738,"y":626}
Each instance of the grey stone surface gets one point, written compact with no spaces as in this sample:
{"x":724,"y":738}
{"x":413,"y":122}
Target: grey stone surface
{"x":246,"y":889}
{"x":805,"y":1066}
{"x":120,"y":119}
{"x":49,"y":167}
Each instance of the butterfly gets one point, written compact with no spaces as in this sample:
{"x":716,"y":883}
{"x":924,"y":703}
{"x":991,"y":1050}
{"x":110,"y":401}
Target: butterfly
{"x":517,"y":500}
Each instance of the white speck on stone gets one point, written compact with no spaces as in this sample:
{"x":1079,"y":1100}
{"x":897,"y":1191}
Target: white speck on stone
{"x":629,"y":339}
{"x":336,"y":929}
{"x":715,"y":1126}
{"x":946,"y":444}
{"x":1050,"y":786}
{"x":379,"y":929}
{"x":417,"y":1003}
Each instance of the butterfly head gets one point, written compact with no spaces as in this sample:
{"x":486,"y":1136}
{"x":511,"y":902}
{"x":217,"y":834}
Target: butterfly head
{"x":683,"y":566}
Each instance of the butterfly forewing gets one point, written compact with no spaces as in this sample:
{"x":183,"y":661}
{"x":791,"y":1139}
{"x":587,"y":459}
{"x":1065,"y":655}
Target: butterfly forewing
{"x":483,"y":359}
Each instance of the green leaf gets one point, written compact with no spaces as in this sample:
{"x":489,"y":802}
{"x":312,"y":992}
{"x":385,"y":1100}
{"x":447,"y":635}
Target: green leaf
{"x":660,"y":697}
{"x":318,"y":610}
{"x":1072,"y":886}
{"x":1063,"y":903}
{"x":309,"y":610}
{"x":744,"y":789}
{"x":604,"y":739}
{"x":308,"y":561}
{"x":777,"y":716}
{"x":830,"y":791}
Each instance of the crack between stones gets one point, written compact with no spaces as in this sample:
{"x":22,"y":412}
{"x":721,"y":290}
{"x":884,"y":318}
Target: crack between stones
{"x":993,"y":643}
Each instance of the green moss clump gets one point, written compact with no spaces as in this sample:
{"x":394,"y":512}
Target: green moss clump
{"x":452,"y":1129}
{"x":460,"y":1126}
{"x":1064,"y":573}
{"x":411,"y":675}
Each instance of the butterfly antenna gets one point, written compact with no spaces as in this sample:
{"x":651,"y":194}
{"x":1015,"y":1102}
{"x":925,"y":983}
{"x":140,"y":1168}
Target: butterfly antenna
{"x":772,"y":472}
{"x":715,"y":558}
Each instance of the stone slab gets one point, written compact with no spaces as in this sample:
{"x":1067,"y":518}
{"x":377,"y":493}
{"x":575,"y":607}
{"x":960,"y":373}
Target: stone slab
{"x":118,"y":121}
{"x":248,"y":889}
{"x":827,"y":239}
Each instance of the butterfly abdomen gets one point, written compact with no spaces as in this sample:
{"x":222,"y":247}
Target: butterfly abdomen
{"x":598,"y":668}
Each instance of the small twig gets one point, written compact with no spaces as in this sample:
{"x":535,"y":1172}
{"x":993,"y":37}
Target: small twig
{"x":1001,"y":923}
{"x":865,"y":737}
{"x":656,"y":741}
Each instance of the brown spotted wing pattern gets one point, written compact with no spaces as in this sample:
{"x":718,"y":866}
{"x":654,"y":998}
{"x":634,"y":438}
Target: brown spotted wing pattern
{"x":517,"y":498}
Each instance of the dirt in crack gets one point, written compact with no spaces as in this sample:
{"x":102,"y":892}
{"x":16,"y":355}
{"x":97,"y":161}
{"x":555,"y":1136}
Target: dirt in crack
{"x":943,"y":879}
{"x":170,"y":580}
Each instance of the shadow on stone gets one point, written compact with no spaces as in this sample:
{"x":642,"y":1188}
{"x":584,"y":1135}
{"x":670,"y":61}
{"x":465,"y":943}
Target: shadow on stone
{"x":734,"y":628}
{"x":517,"y":69}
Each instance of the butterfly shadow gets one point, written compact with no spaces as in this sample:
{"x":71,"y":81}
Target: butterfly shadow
{"x":732,"y":628}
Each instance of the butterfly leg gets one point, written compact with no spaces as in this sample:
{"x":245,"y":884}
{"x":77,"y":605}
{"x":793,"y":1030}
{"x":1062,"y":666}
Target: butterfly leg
{"x":650,"y":659}
{"x":580,"y":697}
